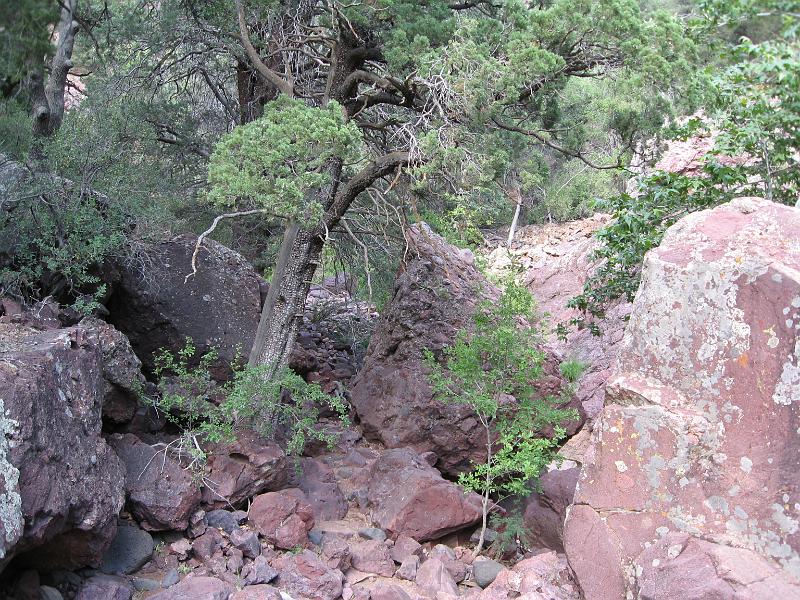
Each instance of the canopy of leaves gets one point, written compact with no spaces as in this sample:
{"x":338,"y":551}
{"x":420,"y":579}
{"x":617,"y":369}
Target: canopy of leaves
{"x":278,"y":161}
{"x":753,"y":112}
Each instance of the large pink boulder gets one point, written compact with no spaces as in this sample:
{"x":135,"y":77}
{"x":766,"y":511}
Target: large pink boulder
{"x":282,"y":518}
{"x":409,"y":497}
{"x":702,"y":436}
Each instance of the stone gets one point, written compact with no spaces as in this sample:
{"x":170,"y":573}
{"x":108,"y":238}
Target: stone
{"x":388,"y":592}
{"x":207,"y":545}
{"x":130,"y":549}
{"x":181,"y":548}
{"x":372,"y":533}
{"x":246,"y":541}
{"x":170,"y":578}
{"x":122,"y":372}
{"x":156,"y":307}
{"x":162,"y":495}
{"x":49,"y":593}
{"x":408,"y":568}
{"x":27,"y":586}
{"x":105,"y":587}
{"x":259,"y":571}
{"x":404,"y":547}
{"x":318,"y":483}
{"x":257,"y":592}
{"x":61,"y":485}
{"x":197,"y":588}
{"x":304,"y":575}
{"x":335,"y":552}
{"x":700,"y":434}
{"x":315,"y":537}
{"x":543,"y":576}
{"x":222,"y":519}
{"x":699,"y":569}
{"x":282,"y":519}
{"x":433,"y":577}
{"x":145,"y":584}
{"x":242,"y":469}
{"x":447,"y":555}
{"x":372,"y":556}
{"x":433,"y":298}
{"x":545,"y":509}
{"x":485,"y":571}
{"x":409,"y":497}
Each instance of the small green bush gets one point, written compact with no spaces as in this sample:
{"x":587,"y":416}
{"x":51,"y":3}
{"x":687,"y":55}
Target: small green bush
{"x":497,"y":358}
{"x":287,"y":407}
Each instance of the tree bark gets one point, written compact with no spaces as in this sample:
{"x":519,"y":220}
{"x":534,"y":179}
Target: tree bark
{"x":48,"y":96}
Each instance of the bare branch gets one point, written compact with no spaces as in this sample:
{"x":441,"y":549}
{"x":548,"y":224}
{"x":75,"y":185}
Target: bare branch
{"x":271,"y":76}
{"x":210,"y":230}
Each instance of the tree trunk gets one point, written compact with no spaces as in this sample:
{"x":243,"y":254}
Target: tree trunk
{"x":277,"y":329}
{"x":48,"y":97}
{"x":518,"y":198}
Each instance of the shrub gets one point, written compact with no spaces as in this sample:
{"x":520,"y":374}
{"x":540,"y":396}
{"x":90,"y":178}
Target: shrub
{"x":204,"y":412}
{"x":497,"y":358}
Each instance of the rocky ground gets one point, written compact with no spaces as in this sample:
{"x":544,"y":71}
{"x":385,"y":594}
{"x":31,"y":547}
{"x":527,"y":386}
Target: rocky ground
{"x":683,"y":478}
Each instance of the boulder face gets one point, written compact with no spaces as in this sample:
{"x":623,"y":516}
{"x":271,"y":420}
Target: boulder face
{"x":701,"y":437}
{"x":219,"y":306}
{"x":162,"y":494}
{"x":410,"y":498}
{"x":434,"y":297}
{"x":62,"y":485}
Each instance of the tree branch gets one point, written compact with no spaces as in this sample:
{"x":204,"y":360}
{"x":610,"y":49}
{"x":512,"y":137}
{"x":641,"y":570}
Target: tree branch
{"x":210,"y":230}
{"x":271,"y":76}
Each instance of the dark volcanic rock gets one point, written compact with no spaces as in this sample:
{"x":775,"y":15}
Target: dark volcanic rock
{"x":129,"y":551}
{"x":219,"y":306}
{"x":61,"y":484}
{"x":161,"y":493}
{"x":434,"y":297}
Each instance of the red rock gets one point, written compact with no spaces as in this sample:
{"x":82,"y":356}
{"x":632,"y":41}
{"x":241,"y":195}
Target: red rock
{"x":404,"y":547}
{"x":556,"y":259}
{"x":282,"y":519}
{"x":388,"y":592}
{"x":257,"y":592}
{"x":318,"y":483}
{"x":433,"y":578}
{"x":305,"y":575}
{"x":542,"y":576}
{"x":372,"y":556}
{"x":105,"y":587}
{"x":62,"y":485}
{"x":161,"y":493}
{"x":546,"y":508}
{"x":208,"y":544}
{"x":434,"y":297}
{"x":409,"y":497}
{"x":701,"y":569}
{"x":701,"y":437}
{"x":197,"y":588}
{"x":335,"y":552}
{"x":239,"y":470}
